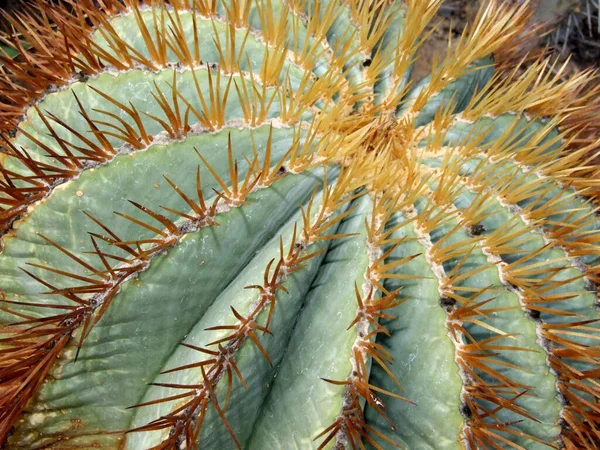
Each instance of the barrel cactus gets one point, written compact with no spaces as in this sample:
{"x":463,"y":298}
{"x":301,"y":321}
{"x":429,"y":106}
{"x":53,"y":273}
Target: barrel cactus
{"x":241,"y":224}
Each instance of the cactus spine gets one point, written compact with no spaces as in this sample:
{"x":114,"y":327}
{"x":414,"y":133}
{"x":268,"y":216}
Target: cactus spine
{"x":240,"y":224}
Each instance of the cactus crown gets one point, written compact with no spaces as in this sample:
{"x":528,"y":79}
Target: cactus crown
{"x":307,"y":249}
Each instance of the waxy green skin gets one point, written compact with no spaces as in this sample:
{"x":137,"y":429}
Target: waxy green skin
{"x":192,"y":285}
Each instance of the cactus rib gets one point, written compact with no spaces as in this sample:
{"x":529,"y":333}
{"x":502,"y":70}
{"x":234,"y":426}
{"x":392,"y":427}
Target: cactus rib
{"x":241,"y":224}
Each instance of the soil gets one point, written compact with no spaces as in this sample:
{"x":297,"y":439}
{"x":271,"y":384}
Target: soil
{"x":567,"y":30}
{"x":452,"y":18}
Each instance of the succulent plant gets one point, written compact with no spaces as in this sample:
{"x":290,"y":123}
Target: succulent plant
{"x":577,"y":30}
{"x":241,"y":224}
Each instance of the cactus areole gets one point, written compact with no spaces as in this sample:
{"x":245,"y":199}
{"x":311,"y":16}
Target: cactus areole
{"x":240,"y":224}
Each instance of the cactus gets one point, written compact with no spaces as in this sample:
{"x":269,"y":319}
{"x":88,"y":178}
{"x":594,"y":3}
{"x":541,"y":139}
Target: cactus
{"x":576,"y":31}
{"x":241,"y":224}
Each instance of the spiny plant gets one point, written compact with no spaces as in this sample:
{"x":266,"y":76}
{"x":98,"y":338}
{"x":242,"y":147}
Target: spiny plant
{"x":240,"y":224}
{"x":577,"y":30}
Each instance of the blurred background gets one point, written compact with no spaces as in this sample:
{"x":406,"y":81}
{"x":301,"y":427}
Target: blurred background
{"x":570,"y":29}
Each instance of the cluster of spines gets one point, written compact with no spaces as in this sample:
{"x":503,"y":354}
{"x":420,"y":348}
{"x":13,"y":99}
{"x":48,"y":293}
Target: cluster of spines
{"x":211,"y":115}
{"x":350,"y":426}
{"x":33,"y":343}
{"x":72,"y":34}
{"x":465,"y":305}
{"x":184,"y":422}
{"x":513,"y":187}
{"x":180,"y":126}
{"x":489,"y":181}
{"x":46,"y":176}
{"x":539,"y":297}
{"x":22,"y":190}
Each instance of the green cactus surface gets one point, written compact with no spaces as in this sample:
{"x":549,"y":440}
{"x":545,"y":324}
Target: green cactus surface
{"x":241,"y":224}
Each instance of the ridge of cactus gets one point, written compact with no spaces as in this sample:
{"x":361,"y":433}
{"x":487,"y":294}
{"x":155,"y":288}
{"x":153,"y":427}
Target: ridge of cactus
{"x":242,"y":224}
